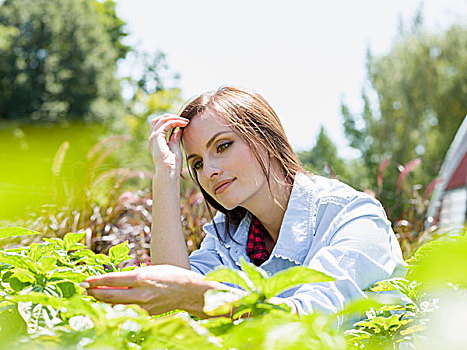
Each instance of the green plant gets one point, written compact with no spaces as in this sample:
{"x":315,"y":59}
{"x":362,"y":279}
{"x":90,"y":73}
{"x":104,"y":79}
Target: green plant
{"x":52,"y":270}
{"x":41,"y":300}
{"x":103,"y":203}
{"x":42,"y":305}
{"x":412,"y":202}
{"x":436,"y":275}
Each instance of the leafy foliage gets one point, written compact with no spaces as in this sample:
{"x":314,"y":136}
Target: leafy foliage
{"x":323,"y":157}
{"x":409,"y":211}
{"x":259,"y":287}
{"x":450,"y":270}
{"x":414,"y":107}
{"x":59,"y":60}
{"x":43,"y":306}
{"x":102,"y":202}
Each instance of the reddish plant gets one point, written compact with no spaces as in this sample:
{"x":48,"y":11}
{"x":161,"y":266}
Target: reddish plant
{"x":410,"y":225}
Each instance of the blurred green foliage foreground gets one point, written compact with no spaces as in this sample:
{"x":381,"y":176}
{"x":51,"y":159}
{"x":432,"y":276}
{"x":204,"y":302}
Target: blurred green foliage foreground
{"x":42,"y":305}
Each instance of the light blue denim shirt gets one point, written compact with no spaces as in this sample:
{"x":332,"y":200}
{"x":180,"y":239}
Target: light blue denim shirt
{"x":328,"y":226}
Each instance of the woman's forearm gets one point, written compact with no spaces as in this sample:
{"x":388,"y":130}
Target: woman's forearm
{"x":167,"y":239}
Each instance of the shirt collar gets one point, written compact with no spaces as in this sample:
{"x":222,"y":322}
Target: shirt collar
{"x":239,"y":233}
{"x":295,"y":235}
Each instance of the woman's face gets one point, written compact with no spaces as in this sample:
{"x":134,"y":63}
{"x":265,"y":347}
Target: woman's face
{"x":224,"y":164}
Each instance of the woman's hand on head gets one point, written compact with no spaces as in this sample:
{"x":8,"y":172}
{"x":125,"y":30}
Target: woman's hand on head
{"x":157,"y":288}
{"x":166,"y":154}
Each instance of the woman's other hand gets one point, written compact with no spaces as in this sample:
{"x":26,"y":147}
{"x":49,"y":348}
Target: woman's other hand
{"x":166,"y":154}
{"x":167,"y":239}
{"x":157,"y":289}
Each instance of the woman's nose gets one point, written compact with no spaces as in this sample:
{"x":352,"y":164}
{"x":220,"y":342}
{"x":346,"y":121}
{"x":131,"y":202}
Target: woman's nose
{"x":211,"y":170}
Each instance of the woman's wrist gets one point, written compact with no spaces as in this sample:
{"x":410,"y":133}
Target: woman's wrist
{"x":166,"y":182}
{"x":166,"y":174}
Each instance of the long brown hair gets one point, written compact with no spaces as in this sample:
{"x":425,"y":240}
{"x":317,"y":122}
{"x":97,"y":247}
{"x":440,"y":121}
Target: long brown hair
{"x":254,"y":121}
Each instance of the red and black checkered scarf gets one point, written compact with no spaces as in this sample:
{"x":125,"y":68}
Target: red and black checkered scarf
{"x":256,"y":246}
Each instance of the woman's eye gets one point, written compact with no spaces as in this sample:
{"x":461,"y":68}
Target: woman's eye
{"x":197,"y":165}
{"x":223,"y":146}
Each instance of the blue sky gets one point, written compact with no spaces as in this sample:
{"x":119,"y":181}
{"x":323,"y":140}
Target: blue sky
{"x":303,"y":56}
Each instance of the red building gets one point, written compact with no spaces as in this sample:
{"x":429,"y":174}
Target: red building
{"x":448,"y":205}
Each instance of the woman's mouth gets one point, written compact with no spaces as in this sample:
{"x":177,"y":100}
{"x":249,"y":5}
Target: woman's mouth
{"x":223,"y":187}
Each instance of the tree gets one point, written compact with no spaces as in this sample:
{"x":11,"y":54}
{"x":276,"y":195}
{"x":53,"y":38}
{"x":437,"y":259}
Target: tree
{"x":113,"y":25}
{"x":323,"y":158}
{"x":58,"y":60}
{"x":151,"y":88}
{"x":415,"y":104}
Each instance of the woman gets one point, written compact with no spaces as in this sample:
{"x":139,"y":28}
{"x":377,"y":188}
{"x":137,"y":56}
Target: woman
{"x":270,"y":212}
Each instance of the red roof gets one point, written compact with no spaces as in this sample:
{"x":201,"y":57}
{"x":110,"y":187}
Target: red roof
{"x":459,"y":178}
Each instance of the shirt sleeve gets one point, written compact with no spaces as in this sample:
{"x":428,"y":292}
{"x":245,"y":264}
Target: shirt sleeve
{"x":206,"y":258}
{"x":360,"y":249}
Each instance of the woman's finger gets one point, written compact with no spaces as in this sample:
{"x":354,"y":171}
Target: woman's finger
{"x":163,"y":126}
{"x":164,"y":119}
{"x":156,"y":123}
{"x":163,"y":116}
{"x":116,"y":296}
{"x":113,"y":279}
{"x":176,"y":136}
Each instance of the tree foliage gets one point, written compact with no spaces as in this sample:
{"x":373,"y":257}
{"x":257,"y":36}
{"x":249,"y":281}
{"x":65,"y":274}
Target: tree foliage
{"x":58,"y":59}
{"x":113,"y":25}
{"x":414,"y":106}
{"x":323,"y":158}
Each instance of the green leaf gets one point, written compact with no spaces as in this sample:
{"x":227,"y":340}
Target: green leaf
{"x":16,"y":231}
{"x":217,"y":325}
{"x":119,"y":253}
{"x":77,"y":305}
{"x":7,"y":275}
{"x":450,"y":256}
{"x":357,"y":334}
{"x":292,"y":277}
{"x":71,"y":239}
{"x":62,"y":257}
{"x":101,"y":258}
{"x":86,"y":256}
{"x":391,"y":323}
{"x":220,"y":302}
{"x":129,"y":268}
{"x":18,"y":261}
{"x":372,"y":324}
{"x":12,"y":325}
{"x":17,"y":285}
{"x":23,"y":275}
{"x":414,"y":329}
{"x":375,"y":301}
{"x":38,"y":298}
{"x":67,"y":289}
{"x":399,"y":284}
{"x":394,"y":308}
{"x":180,"y":332}
{"x":69,"y":275}
{"x":256,"y":274}
{"x":56,"y":242}
{"x":37,"y":251}
{"x":227,"y":275}
{"x":47,"y":263}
